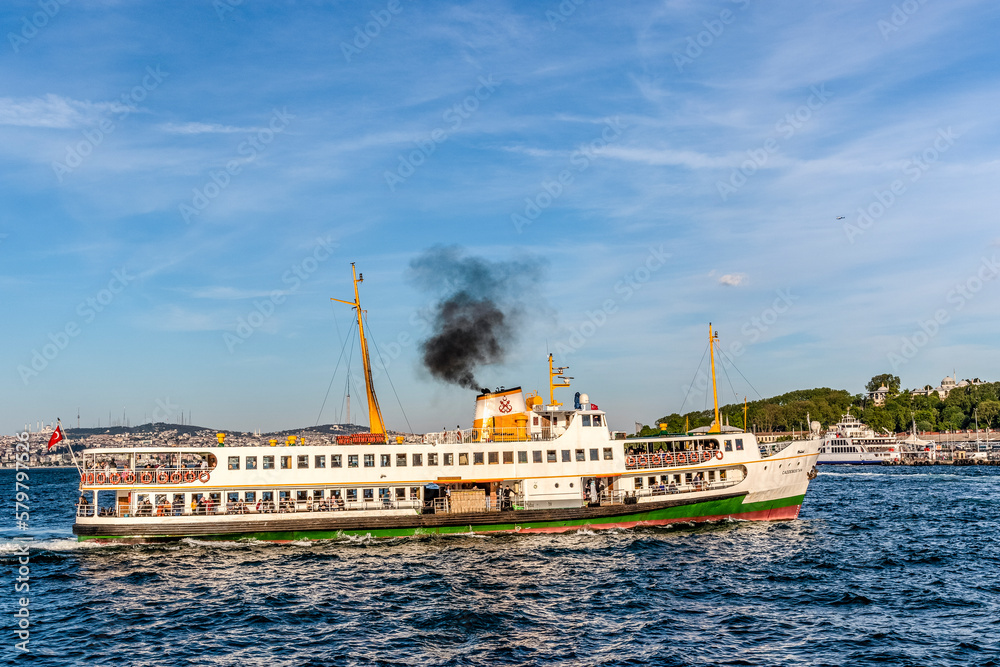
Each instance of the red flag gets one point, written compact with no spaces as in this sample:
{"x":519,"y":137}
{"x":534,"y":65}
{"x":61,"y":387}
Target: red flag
{"x":57,"y":435}
{"x":593,"y":406}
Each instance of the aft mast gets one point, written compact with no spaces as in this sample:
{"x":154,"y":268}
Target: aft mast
{"x":374,"y":412}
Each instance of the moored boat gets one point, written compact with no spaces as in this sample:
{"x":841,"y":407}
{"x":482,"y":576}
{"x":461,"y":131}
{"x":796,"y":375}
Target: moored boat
{"x":523,"y":466}
{"x":850,"y":442}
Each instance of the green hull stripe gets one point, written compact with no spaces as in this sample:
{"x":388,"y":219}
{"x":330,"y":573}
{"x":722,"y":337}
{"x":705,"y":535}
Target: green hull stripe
{"x":726,"y":507}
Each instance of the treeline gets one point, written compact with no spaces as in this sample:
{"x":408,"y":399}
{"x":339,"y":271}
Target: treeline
{"x":788,"y":412}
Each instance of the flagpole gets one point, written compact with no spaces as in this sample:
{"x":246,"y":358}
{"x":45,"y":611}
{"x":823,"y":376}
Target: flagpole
{"x":69,"y":446}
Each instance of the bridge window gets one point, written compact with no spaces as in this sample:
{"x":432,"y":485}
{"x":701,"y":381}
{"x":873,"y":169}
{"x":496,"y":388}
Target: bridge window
{"x":536,"y":456}
{"x":368,"y":494}
{"x":608,"y":454}
{"x":251,"y":463}
{"x":581,"y":455}
{"x":729,"y":445}
{"x":304,"y":461}
{"x":400,"y":460}
{"x":369,"y":460}
{"x":550,"y":456}
{"x":432,"y":459}
{"x":566,"y":456}
{"x":463,"y":459}
{"x":268,"y":463}
{"x":739,"y":444}
{"x":522,"y":457}
{"x":449,"y":459}
{"x":286,"y":462}
{"x":597,"y":420}
{"x":595,"y":454}
{"x":493,"y":458}
{"x":335,"y":460}
{"x":477,"y":458}
{"x":352,"y":460}
{"x":385,"y":460}
{"x":508,"y":457}
{"x":585,"y":420}
{"x":234,"y":463}
{"x":320,"y":461}
{"x":418,"y":459}
{"x":352,"y":495}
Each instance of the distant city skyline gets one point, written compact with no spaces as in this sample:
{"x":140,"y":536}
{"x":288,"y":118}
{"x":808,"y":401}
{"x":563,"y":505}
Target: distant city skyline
{"x":186,"y":188}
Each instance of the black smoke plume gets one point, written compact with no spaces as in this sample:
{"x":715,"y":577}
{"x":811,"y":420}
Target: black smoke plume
{"x":480,"y":306}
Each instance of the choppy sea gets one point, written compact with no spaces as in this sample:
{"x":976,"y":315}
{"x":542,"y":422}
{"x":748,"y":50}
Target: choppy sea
{"x":888,"y":566}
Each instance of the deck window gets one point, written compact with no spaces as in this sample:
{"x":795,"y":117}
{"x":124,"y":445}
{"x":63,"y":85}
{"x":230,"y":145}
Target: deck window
{"x":595,"y":454}
{"x":385,"y":460}
{"x":494,"y":457}
{"x":418,"y":459}
{"x":522,"y":457}
{"x":477,"y":458}
{"x":652,"y":482}
{"x":251,"y":463}
{"x":368,"y":494}
{"x":729,"y":445}
{"x":267,"y":496}
{"x":335,"y":460}
{"x":317,"y":494}
{"x":352,"y":495}
{"x":739,"y":444}
{"x":585,"y":420}
{"x":638,"y":482}
{"x":608,"y":454}
{"x":250,"y":496}
{"x":508,"y":457}
{"x":550,"y":456}
{"x":320,"y":461}
{"x":463,"y":459}
{"x":536,"y":456}
{"x":303,"y":461}
{"x":301,"y":496}
{"x":722,"y":475}
{"x":234,"y":463}
{"x":400,"y":460}
{"x":581,"y":455}
{"x":400,"y":493}
{"x":432,"y":459}
{"x":268,"y":463}
{"x":352,"y":460}
{"x":449,"y":459}
{"x":286,"y":462}
{"x":414,"y":493}
{"x":567,"y":456}
{"x":369,"y":460}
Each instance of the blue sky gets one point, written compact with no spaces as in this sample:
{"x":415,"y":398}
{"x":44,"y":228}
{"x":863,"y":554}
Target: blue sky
{"x":171,"y":170}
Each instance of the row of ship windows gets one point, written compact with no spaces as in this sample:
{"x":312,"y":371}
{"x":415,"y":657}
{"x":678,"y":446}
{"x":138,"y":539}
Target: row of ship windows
{"x":842,"y":450}
{"x":680,"y":478}
{"x":448,"y":459}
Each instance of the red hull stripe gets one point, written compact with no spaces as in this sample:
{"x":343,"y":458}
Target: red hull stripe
{"x":778,"y":514}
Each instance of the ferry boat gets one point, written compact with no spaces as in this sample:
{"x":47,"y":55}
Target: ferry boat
{"x":525,"y":466}
{"x":850,"y":442}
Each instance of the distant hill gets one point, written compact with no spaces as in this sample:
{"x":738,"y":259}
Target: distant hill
{"x":158,"y":428}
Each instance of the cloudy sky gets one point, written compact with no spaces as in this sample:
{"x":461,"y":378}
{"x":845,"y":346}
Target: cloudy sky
{"x":186,"y":184}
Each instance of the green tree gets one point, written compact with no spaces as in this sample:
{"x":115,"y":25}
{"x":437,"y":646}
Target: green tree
{"x":952,"y":417}
{"x":891,"y":383}
{"x":988,"y":412}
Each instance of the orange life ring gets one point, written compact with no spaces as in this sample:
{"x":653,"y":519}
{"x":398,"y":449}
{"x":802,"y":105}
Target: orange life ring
{"x":83,"y":479}
{"x":682,"y":459}
{"x":668,"y":459}
{"x":129,"y":477}
{"x":146,"y":477}
{"x":175,"y":477}
{"x":656,"y":460}
{"x":115,"y":478}
{"x":190,"y":476}
{"x":204,"y":477}
{"x":90,"y":478}
{"x":162,"y":478}
{"x":630,"y":461}
{"x":643,"y":461}
{"x":101,"y":478}
{"x":719,"y":454}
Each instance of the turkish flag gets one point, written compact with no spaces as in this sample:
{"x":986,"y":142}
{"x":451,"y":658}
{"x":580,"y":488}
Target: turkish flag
{"x":593,"y":406}
{"x":57,"y":435}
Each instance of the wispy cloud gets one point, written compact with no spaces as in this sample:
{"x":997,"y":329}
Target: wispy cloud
{"x":229,"y":293}
{"x":203,"y":128}
{"x":732,"y":279}
{"x":54,"y":111}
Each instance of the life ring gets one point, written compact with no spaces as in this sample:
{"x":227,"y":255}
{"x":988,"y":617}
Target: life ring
{"x":115,"y":478}
{"x":706,"y":456}
{"x":656,"y":460}
{"x":146,"y":477}
{"x":162,"y":478}
{"x":719,"y":454}
{"x":682,"y":459}
{"x":643,"y":461}
{"x":630,"y":461}
{"x":129,"y":478}
{"x":90,"y":478}
{"x":83,"y":479}
{"x":204,"y":477}
{"x":101,"y":478}
{"x":190,"y":476}
{"x":175,"y":477}
{"x":668,"y":459}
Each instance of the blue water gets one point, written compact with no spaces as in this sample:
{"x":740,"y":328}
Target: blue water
{"x":895,"y":566}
